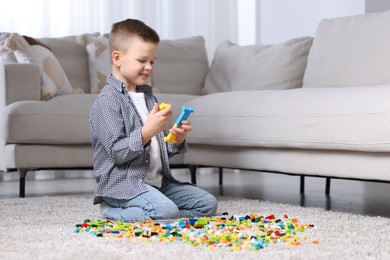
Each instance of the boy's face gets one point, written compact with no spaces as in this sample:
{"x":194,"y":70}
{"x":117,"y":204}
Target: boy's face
{"x":135,"y":66}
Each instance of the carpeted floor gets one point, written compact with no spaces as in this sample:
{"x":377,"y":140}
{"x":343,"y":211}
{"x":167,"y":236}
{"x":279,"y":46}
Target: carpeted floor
{"x":43,"y":228}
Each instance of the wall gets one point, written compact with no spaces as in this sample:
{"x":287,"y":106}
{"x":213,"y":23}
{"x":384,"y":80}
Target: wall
{"x":373,"y":6}
{"x":280,"y":20}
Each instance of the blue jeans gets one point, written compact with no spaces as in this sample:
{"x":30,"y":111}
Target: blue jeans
{"x":171,"y":201}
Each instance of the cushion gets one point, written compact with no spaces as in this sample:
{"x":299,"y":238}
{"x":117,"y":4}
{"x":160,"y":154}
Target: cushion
{"x":354,"y":119}
{"x":54,"y":80}
{"x":181,"y":66}
{"x":6,"y":55}
{"x":98,"y":59}
{"x":73,"y":59}
{"x":61,"y":120}
{"x":350,"y":51}
{"x":33,"y":41}
{"x":258,"y":67}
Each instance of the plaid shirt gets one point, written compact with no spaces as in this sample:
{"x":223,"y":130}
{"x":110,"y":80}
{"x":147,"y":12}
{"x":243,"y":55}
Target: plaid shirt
{"x":120,"y":160}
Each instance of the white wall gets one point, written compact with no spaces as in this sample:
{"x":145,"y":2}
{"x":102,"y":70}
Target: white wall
{"x":373,"y":6}
{"x":281,"y":20}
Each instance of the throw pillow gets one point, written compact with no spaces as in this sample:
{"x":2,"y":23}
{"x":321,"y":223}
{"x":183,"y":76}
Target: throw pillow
{"x":258,"y":67}
{"x":350,"y":51}
{"x":33,"y":41}
{"x":98,"y":60}
{"x":181,"y":66}
{"x":54,"y":80}
{"x":6,"y":56}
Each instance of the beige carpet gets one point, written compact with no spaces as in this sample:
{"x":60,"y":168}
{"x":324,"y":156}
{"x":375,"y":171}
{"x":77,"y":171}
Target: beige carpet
{"x":42,"y":228}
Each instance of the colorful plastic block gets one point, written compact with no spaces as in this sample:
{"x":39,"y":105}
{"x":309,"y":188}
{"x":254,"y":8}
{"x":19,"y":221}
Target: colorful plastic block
{"x":186,"y":111}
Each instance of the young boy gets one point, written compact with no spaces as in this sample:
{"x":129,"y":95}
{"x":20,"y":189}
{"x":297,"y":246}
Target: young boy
{"x":134,"y":182}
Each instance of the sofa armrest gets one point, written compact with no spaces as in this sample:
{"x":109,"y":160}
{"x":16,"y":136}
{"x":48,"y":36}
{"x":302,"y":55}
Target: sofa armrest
{"x":19,"y":82}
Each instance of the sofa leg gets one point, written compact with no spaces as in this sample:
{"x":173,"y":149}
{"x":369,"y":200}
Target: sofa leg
{"x":327,"y":186}
{"x":302,"y":184}
{"x":22,"y":182}
{"x":220,"y":172}
{"x":193,"y":173}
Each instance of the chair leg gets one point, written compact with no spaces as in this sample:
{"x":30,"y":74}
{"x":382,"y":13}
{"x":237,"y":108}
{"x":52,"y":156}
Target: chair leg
{"x":327,"y":186}
{"x":220,"y":176}
{"x":193,"y":173}
{"x":302,"y":184}
{"x":22,"y":182}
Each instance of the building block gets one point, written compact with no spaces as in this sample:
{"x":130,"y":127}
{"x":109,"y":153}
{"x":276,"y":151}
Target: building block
{"x":163,"y":106}
{"x":186,"y":111}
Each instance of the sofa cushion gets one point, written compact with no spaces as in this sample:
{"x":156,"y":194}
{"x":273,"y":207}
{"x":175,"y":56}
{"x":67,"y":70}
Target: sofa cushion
{"x":350,"y":51}
{"x":181,"y":66}
{"x":258,"y":67}
{"x":307,"y":118}
{"x":54,"y":79}
{"x":98,"y":60}
{"x":60,"y":120}
{"x":73,"y":59}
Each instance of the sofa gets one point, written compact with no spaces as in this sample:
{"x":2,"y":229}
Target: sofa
{"x":310,"y":106}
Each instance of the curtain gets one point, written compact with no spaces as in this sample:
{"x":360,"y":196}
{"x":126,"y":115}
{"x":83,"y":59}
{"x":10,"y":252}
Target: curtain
{"x":216,"y":20}
{"x":244,"y":22}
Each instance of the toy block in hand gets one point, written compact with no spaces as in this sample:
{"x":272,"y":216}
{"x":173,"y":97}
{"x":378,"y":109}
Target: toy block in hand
{"x":185,"y":113}
{"x":163,"y":106}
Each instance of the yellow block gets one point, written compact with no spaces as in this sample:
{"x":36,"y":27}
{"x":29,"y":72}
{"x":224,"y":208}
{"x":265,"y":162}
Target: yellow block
{"x":171,"y":137}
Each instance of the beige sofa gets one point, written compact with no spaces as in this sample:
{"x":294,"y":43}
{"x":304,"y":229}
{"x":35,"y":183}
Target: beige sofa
{"x":309,"y":106}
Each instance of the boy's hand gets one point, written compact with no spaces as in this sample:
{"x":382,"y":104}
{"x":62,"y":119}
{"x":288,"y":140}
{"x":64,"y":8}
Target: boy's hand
{"x":181,"y":131}
{"x":158,"y":120}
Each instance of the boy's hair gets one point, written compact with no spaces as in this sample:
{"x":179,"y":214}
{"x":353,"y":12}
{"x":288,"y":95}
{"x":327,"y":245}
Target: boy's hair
{"x":124,"y":30}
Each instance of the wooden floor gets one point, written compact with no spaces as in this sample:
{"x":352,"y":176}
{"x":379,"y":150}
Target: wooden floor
{"x":358,"y":197}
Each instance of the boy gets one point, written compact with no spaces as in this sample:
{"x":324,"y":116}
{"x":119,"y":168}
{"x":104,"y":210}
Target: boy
{"x":134,"y":182}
